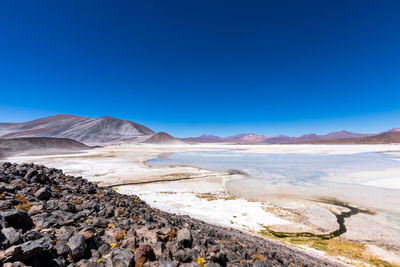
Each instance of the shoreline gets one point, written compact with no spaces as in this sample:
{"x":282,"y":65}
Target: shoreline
{"x":135,"y":235}
{"x":205,"y":188}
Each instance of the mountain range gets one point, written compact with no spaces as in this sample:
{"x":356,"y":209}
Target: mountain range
{"x":108,"y":130}
{"x":90,"y":131}
{"x":280,"y":139}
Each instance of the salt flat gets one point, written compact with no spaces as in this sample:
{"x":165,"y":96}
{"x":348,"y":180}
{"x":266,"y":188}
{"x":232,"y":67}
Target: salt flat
{"x":212,"y":194}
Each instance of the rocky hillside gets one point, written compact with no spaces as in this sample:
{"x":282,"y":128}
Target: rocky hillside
{"x":90,"y":131}
{"x":51,"y":219}
{"x":38,"y":145}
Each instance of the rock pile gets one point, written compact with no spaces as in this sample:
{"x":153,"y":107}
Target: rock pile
{"x":48,"y":218}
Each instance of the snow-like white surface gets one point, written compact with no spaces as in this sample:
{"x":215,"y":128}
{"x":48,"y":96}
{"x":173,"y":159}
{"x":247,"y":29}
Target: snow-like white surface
{"x":182,"y":198}
{"x":126,"y":163}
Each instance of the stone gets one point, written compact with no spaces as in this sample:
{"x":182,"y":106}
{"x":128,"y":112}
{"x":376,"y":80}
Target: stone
{"x":144,"y":253}
{"x":36,"y":248}
{"x":184,"y":255}
{"x":185,"y":238}
{"x":129,"y":242}
{"x":99,"y":222}
{"x":191,"y":264}
{"x":62,"y":248}
{"x":13,"y":253}
{"x":104,"y":249}
{"x":123,"y":258}
{"x":12,"y":236}
{"x":259,"y":263}
{"x":31,"y":173}
{"x":159,"y":249}
{"x":14,"y":264}
{"x":77,"y":245}
{"x":166,"y":264}
{"x":43,"y":194}
{"x":17,"y":219}
{"x":220,"y":258}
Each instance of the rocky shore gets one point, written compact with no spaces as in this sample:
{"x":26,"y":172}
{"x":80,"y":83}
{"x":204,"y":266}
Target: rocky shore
{"x":48,"y":218}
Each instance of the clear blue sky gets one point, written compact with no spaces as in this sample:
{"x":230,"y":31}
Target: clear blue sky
{"x":193,"y":67}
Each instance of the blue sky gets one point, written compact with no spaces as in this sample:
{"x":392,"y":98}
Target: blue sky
{"x":193,"y":67}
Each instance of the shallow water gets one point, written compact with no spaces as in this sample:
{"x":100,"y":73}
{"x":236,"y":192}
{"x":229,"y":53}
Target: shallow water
{"x":369,"y":180}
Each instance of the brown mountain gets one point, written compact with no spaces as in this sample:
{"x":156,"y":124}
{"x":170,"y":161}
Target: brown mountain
{"x":91,"y":131}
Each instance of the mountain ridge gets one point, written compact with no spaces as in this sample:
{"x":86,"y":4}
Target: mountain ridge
{"x":90,"y":131}
{"x":279,"y":139}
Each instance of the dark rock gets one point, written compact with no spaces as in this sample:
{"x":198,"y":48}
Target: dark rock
{"x":59,"y":262}
{"x":77,"y":245}
{"x":104,"y":249}
{"x":36,"y":248}
{"x":43,"y":194}
{"x":185,"y":238}
{"x":259,"y":263}
{"x":5,"y":204}
{"x":13,"y":253}
{"x":10,"y":188}
{"x":185,"y":255}
{"x":17,"y":219}
{"x":31,"y":173}
{"x":123,"y":258}
{"x":99,"y":222}
{"x":62,"y":248}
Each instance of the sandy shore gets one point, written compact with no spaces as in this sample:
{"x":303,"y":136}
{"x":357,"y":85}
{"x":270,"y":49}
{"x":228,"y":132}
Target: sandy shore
{"x":203,"y":195}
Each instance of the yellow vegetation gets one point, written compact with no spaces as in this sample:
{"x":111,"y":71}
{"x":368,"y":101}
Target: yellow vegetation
{"x":200,"y":261}
{"x":23,"y":206}
{"x":119,"y":235}
{"x":337,"y":247}
{"x":113,"y":245}
{"x":111,"y":225}
{"x":214,"y":196}
{"x":258,"y":257}
{"x":20,"y":198}
{"x":140,"y":262}
{"x":171,"y":235}
{"x":76,"y":201}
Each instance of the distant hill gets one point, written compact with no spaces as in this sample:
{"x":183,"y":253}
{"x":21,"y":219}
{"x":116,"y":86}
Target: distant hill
{"x":205,"y":138}
{"x":280,"y":139}
{"x":388,"y":137}
{"x":91,"y":131}
{"x":161,"y":138}
{"x":39,"y":145}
